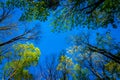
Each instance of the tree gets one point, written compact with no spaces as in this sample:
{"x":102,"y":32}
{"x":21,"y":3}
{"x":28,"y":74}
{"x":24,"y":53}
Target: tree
{"x":48,"y":69}
{"x":65,"y":66}
{"x":80,"y":73}
{"x":87,"y":13}
{"x":70,"y":69}
{"x":104,"y":45}
{"x":60,"y":67}
{"x":11,"y":32}
{"x":99,"y":65}
{"x":7,"y":9}
{"x":22,"y":57}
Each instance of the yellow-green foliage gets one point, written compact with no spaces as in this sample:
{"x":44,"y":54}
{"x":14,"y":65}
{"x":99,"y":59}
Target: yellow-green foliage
{"x":77,"y":67}
{"x":66,"y":63}
{"x":23,"y":56}
{"x":113,"y":66}
{"x":28,"y":53}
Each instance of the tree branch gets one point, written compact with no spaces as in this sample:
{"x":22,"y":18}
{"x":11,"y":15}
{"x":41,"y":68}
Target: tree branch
{"x":105,"y":53}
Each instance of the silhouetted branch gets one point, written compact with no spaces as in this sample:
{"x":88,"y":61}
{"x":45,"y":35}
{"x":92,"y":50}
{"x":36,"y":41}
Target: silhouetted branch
{"x":27,"y":35}
{"x":105,"y":53}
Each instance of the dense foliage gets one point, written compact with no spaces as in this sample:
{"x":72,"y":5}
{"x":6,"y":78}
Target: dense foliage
{"x":87,"y":13}
{"x":20,"y":58}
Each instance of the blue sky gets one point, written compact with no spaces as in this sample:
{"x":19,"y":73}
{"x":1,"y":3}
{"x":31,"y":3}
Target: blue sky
{"x":52,"y":42}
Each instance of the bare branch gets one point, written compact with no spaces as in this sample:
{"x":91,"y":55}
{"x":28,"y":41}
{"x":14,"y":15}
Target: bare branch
{"x":5,"y":13}
{"x":27,"y":35}
{"x":8,"y":27}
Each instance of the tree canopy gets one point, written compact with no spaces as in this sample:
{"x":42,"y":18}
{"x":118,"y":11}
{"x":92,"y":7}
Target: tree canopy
{"x":85,"y":58}
{"x":98,"y":64}
{"x":21,"y":58}
{"x":87,"y":13}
